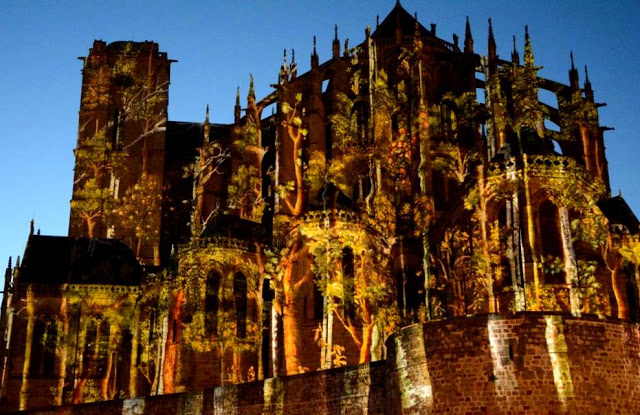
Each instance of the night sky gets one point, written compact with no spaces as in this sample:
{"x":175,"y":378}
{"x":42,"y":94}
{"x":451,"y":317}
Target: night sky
{"x":219,"y":43}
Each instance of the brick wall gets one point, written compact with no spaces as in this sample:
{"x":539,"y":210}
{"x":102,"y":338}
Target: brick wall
{"x":528,"y":363}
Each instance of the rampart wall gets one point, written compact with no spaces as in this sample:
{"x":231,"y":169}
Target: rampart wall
{"x":528,"y":363}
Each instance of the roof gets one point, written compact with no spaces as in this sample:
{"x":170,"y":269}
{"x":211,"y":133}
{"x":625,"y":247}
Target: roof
{"x":619,"y":213}
{"x":399,"y":17}
{"x":60,"y":259}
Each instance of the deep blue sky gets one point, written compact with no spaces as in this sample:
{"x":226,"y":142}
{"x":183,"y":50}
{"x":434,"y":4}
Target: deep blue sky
{"x":219,"y":43}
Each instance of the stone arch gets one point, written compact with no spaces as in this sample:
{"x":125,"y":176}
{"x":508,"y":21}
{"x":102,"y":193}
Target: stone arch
{"x":240,"y":301}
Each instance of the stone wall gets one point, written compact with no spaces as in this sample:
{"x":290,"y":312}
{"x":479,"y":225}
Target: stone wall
{"x":529,"y":363}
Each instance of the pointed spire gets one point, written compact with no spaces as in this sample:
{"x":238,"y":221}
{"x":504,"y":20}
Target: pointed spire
{"x":377,"y":21}
{"x":206,"y":127}
{"x":574,"y":79}
{"x":336,"y":43}
{"x":236,"y":109}
{"x":315,"y":60}
{"x":18,"y":262}
{"x":347,"y":52}
{"x":492,"y":43}
{"x":588,"y":91}
{"x":252,"y":93}
{"x":468,"y":38}
{"x":528,"y":50}
{"x":293,"y":69}
{"x":515,"y":55}
{"x":31,"y":226}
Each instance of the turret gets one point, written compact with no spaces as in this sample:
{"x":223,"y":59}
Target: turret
{"x":468,"y":39}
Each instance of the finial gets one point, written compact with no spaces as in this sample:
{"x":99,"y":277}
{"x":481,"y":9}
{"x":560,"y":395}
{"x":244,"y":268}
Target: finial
{"x":252,"y":92}
{"x":586,"y":75}
{"x":206,"y":125}
{"x":515,"y":56}
{"x":571,"y":56}
{"x":528,"y":50}
{"x":9,"y":265}
{"x":377,"y":20}
{"x":335,"y":29}
{"x":38,"y":232}
{"x":31,"y":226}
{"x":346,"y":47}
{"x":468,"y":38}
{"x":314,"y":45}
{"x":238,"y":96}
{"x":284,"y":58}
{"x":492,"y":42}
{"x":619,"y":195}
{"x":18,"y":262}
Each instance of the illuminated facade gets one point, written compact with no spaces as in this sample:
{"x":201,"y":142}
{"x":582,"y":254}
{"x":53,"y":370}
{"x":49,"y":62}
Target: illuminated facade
{"x":406,"y":179}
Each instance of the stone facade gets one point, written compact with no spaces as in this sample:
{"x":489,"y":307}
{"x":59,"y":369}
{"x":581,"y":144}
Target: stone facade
{"x":404,"y":180}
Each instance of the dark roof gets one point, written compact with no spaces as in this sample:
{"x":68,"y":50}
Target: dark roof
{"x":399,"y":17}
{"x":60,"y":259}
{"x":619,"y":213}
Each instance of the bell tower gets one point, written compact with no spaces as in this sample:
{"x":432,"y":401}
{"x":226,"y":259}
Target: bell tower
{"x":120,"y":152}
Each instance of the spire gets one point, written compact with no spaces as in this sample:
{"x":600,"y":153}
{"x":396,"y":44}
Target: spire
{"x":206,"y":127}
{"x":528,"y":50}
{"x":492,"y":43}
{"x":515,"y":56}
{"x":468,"y":39}
{"x":251,"y":97}
{"x":236,"y":109}
{"x":574,"y":79}
{"x":347,"y":52}
{"x":293,"y":69}
{"x":588,"y":91}
{"x":31,"y":226}
{"x":315,"y":60}
{"x":336,"y":43}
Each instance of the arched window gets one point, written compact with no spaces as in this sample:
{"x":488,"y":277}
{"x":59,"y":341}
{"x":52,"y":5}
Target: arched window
{"x":551,"y":242}
{"x":43,"y":348}
{"x":96,"y":348}
{"x":212,"y":302}
{"x":348,"y":270}
{"x":103,"y":348}
{"x":240,"y":298}
{"x":90,"y":350}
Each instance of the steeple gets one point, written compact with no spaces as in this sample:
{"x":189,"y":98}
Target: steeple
{"x":336,"y":43}
{"x":206,"y":127}
{"x":574,"y":79}
{"x":468,"y":39}
{"x":492,"y":43}
{"x":236,"y":109}
{"x":515,"y":55}
{"x":528,"y":50}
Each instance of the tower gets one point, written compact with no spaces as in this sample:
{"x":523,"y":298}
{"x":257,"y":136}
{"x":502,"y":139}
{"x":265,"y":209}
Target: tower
{"x":119,"y":165}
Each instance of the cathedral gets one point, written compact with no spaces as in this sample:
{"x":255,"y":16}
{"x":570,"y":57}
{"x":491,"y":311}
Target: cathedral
{"x":406,"y":198}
